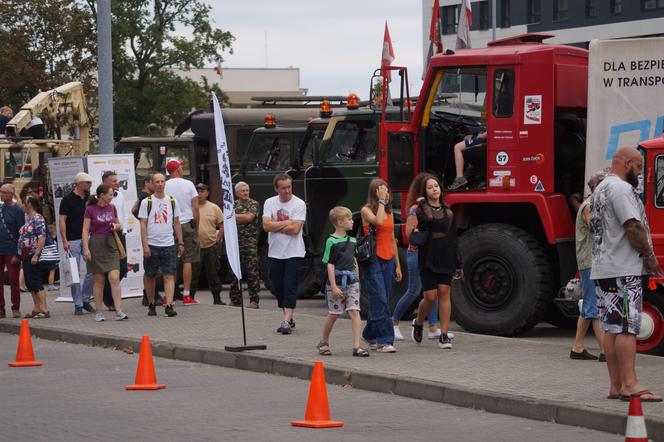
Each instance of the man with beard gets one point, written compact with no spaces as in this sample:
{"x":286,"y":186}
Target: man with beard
{"x":621,"y":253}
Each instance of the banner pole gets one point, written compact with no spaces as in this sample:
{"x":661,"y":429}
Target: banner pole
{"x":244,"y":329}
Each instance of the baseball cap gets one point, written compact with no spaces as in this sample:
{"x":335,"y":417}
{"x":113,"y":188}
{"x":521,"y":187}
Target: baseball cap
{"x":173,"y":165}
{"x":82,"y":177}
{"x":202,"y":186}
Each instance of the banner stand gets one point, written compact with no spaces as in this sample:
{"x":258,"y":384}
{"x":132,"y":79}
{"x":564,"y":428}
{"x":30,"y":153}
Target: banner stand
{"x":244,"y":347}
{"x":230,"y":225}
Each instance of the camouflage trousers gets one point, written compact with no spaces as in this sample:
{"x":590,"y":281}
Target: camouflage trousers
{"x":209,"y":260}
{"x":249,"y":263}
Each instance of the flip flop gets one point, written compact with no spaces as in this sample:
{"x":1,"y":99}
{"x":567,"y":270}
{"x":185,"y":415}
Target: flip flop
{"x":625,"y":398}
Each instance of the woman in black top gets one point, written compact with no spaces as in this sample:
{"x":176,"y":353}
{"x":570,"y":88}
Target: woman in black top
{"x":438,"y":257}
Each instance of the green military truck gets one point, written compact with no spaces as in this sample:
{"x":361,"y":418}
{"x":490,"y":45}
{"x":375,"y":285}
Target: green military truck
{"x":333,"y":165}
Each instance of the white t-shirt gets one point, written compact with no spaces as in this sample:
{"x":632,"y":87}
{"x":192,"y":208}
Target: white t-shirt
{"x":183,"y":191}
{"x":119,"y":203}
{"x":160,"y":221}
{"x":282,"y":245}
{"x":613,"y":203}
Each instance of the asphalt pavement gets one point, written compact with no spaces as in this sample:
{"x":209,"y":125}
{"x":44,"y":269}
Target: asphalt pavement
{"x":528,"y":377}
{"x":78,"y":395}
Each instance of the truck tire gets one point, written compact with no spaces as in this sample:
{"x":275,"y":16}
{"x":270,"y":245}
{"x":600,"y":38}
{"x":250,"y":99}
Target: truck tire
{"x":507,"y":281}
{"x":651,"y":337}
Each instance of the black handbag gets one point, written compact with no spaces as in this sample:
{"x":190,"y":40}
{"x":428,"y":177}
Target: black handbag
{"x":366,"y":245}
{"x":418,"y":238}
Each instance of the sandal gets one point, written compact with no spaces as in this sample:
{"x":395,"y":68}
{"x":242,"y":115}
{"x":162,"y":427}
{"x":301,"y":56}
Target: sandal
{"x":360,"y":352}
{"x":652,"y":398}
{"x":324,"y":349}
{"x":30,"y":315}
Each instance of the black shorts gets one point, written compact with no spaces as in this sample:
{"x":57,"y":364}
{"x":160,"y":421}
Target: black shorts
{"x":431,"y":280}
{"x":32,"y":273}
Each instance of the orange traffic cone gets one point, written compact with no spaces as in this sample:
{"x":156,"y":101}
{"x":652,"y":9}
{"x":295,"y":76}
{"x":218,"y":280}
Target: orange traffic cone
{"x":146,"y":379}
{"x":25,"y":357}
{"x":317,"y":413}
{"x":636,"y":425}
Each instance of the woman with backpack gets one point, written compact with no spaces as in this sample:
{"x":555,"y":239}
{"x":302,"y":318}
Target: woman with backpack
{"x":379,"y":273}
{"x":100,"y":248}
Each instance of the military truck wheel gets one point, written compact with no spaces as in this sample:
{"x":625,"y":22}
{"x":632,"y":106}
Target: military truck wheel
{"x":264,"y":267}
{"x":398,"y":290}
{"x":311,"y":276}
{"x":507,"y":281}
{"x":651,"y":337}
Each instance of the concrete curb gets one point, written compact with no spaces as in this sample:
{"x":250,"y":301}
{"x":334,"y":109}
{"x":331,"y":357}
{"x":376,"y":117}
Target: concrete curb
{"x":513,"y":405}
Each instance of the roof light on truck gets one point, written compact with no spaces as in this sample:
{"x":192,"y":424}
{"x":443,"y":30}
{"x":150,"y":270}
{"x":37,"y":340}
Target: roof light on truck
{"x":353,"y":101}
{"x":325,"y":109}
{"x":270,"y":121}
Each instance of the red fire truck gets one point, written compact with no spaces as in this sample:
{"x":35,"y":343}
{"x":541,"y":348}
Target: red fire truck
{"x":515,"y":213}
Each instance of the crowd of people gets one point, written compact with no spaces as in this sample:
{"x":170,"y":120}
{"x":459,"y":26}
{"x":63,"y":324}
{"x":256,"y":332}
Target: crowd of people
{"x":178,"y":221}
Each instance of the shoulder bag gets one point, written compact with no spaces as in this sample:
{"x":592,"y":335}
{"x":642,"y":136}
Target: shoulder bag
{"x":366,"y":245}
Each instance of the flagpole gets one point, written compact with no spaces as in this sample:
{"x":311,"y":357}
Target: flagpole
{"x":244,"y":329}
{"x":493,"y":19}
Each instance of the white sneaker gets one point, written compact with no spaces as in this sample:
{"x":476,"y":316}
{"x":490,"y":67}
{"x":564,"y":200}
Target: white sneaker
{"x":397,"y":333}
{"x":386,"y":348}
{"x":99,"y":317}
{"x":434,"y":335}
{"x":120,"y":316}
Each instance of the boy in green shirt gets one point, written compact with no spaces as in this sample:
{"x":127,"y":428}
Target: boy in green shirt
{"x":342,"y":290}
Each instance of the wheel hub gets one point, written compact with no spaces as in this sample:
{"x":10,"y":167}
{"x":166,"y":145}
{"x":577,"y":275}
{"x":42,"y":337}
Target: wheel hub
{"x":491,"y":283}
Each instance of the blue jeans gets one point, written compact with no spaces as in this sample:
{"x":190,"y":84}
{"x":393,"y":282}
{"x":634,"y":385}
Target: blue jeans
{"x":285,"y":279}
{"x":77,"y":294}
{"x":377,"y":279}
{"x":413,"y":291}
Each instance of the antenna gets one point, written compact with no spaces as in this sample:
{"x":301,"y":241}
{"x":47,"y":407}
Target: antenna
{"x":266,"y":63}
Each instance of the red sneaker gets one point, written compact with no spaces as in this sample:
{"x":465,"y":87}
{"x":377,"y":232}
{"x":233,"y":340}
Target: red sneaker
{"x":188,"y":300}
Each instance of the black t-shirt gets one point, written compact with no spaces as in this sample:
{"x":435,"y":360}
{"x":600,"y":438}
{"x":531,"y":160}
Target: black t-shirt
{"x":340,"y":252}
{"x":73,"y":207}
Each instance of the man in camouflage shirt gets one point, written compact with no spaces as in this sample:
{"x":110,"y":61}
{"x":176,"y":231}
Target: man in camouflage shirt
{"x":246,"y":215}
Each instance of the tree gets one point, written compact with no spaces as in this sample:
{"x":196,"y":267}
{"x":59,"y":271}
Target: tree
{"x":150,"y":38}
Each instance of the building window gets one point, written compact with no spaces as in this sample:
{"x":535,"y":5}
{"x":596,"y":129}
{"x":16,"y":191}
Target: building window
{"x":560,"y":10}
{"x":534,"y":11}
{"x":616,"y":7}
{"x":591,"y":8}
{"x":485,"y":16}
{"x":505,"y":13}
{"x":450,"y":19}
{"x":648,"y":5}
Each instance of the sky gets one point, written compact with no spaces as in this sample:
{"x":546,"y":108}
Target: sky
{"x":336,"y":45}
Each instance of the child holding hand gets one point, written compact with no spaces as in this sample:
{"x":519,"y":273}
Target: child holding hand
{"x":342,"y":289}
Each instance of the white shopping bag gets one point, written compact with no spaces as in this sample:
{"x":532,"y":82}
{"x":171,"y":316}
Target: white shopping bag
{"x":73,"y":268}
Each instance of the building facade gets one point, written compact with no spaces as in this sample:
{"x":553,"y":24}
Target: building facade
{"x":573,"y":22}
{"x":240,"y":84}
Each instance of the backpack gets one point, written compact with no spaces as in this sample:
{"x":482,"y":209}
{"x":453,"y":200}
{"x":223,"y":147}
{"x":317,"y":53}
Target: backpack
{"x":149,"y":198}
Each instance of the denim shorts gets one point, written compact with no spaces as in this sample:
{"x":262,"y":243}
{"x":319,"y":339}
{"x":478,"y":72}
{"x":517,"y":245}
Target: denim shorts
{"x":161,"y":257}
{"x":589,"y":309}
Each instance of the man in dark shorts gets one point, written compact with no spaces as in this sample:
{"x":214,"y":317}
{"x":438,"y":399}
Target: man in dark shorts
{"x":621,"y":253}
{"x":160,"y":218}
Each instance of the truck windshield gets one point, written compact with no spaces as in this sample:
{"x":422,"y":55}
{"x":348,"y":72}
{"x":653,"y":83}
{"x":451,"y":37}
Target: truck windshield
{"x":269,"y":152}
{"x":312,"y":143}
{"x":353,"y":141}
{"x":461,"y":91}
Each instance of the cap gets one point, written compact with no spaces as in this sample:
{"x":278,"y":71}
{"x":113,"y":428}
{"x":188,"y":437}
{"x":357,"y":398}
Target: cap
{"x":82,"y":177}
{"x":173,"y":165}
{"x":202,"y":186}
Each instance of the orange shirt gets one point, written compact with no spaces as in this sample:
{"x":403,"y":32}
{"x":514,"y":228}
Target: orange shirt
{"x":384,"y":246}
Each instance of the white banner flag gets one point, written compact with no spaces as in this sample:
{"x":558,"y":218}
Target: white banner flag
{"x":230,"y":227}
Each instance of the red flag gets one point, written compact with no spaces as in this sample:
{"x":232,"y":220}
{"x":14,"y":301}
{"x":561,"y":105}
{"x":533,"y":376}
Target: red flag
{"x":435,"y":36}
{"x":388,"y":53}
{"x":217,"y":69}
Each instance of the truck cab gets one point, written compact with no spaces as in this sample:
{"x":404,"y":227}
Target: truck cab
{"x":516,"y":227}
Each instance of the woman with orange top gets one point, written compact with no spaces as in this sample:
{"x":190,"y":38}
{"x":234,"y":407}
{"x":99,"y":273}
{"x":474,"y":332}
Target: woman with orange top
{"x":378,"y":276}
